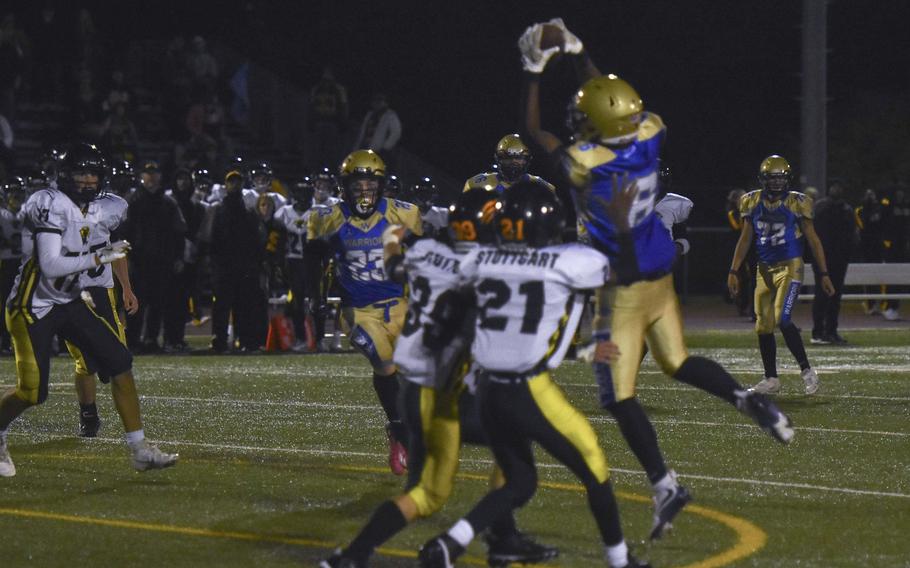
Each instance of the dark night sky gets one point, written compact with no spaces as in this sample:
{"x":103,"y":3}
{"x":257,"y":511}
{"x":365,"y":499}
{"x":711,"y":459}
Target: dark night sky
{"x":723,"y":74}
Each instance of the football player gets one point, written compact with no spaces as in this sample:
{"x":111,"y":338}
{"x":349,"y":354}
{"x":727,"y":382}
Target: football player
{"x":614,"y":135}
{"x":325,"y":188}
{"x":776,"y":218}
{"x":123,"y":179}
{"x":294,"y":218}
{"x":392,"y":188}
{"x":46,"y":300}
{"x":437,"y":406}
{"x":512,"y":158}
{"x":529,"y":303}
{"x":424,"y":195}
{"x":373,"y":306}
{"x":106,"y":212}
{"x":12,"y":197}
{"x":262,"y":178}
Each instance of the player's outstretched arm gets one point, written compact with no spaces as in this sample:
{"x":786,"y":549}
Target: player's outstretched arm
{"x":739,"y":255}
{"x":818,"y":253}
{"x":393,"y":253}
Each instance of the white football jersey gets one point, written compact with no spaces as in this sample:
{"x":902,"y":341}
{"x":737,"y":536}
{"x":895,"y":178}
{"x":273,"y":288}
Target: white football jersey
{"x":106,"y":213}
{"x":528,"y":302}
{"x":10,"y":234}
{"x":251,"y":198}
{"x":295,"y":223}
{"x":436,"y":217}
{"x":329,"y":202}
{"x":673,"y":209}
{"x":49,"y":210}
{"x":432,"y":268}
{"x":216,"y":194}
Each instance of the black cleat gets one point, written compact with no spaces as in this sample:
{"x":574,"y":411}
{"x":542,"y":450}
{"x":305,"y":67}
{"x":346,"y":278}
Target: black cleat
{"x":439,"y":552}
{"x":89,"y":424}
{"x":633,"y":562}
{"x":667,"y":504}
{"x":767,"y":415}
{"x":518,"y":548}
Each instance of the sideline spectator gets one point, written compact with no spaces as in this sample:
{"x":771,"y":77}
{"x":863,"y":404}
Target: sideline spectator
{"x":120,"y":135}
{"x":202,"y":65}
{"x":896,"y":240}
{"x":118,"y":94}
{"x":871,"y":231}
{"x":835,"y":227}
{"x":745,"y":305}
{"x":380,"y":130}
{"x":13,"y":50}
{"x":328,"y":115}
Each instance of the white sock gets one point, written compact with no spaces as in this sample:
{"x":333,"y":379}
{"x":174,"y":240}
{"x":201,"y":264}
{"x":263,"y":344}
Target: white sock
{"x":618,"y":555}
{"x":462,"y":532}
{"x":3,"y":434}
{"x":135,"y":437}
{"x":666,"y":482}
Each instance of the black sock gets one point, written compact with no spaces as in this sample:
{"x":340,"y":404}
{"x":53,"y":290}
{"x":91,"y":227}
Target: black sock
{"x":768,"y":347}
{"x":504,"y":525}
{"x":709,"y":376}
{"x":795,"y":344}
{"x":88,"y":410}
{"x":636,"y":428}
{"x":385,"y":523}
{"x":386,"y":387}
{"x":603,"y":504}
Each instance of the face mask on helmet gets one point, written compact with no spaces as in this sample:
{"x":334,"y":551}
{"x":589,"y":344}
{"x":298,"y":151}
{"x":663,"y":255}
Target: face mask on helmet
{"x":774,"y":175}
{"x":512,"y":166}
{"x":303,"y":192}
{"x":362,"y":196}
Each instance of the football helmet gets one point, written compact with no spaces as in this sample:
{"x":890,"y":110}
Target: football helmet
{"x":36,"y":179}
{"x":183,"y":182}
{"x":303,"y":192}
{"x":664,"y":178}
{"x":512,"y":157}
{"x":531,"y":215}
{"x":50,"y":160}
{"x":605,"y":109}
{"x":774,"y":175}
{"x":392,"y":188}
{"x":82,"y":158}
{"x":14,"y":194}
{"x":202,"y":179}
{"x":261,"y":176}
{"x":325,"y":184}
{"x":123,"y":177}
{"x":471,"y":216}
{"x":363,"y":176}
{"x":423,"y":194}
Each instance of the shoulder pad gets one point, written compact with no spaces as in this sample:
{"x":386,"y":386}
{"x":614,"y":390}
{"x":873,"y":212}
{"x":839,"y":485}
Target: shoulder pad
{"x":590,"y":154}
{"x":651,"y":126}
{"x":543,"y":181}
{"x":749,"y":201}
{"x":485,"y":180}
{"x":402,"y":204}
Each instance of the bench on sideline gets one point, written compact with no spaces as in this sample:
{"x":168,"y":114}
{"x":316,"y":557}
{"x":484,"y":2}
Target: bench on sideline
{"x":868,"y":274}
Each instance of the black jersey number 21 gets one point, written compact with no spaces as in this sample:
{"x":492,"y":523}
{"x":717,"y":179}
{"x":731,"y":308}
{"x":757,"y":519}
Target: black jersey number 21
{"x":500,"y":293}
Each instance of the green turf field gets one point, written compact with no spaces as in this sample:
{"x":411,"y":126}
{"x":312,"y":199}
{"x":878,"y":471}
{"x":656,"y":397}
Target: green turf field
{"x":283,"y":457}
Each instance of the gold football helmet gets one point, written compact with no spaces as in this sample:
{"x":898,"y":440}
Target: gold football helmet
{"x":606,"y":109}
{"x":363,"y":176}
{"x":512,"y":157}
{"x":774,"y":174}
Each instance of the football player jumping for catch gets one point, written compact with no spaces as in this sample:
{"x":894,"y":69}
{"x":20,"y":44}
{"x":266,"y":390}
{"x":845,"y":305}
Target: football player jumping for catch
{"x":777,"y":218}
{"x":614,"y":135}
{"x":374,"y":306}
{"x":46,"y":300}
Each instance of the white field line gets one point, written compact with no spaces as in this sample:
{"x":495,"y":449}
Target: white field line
{"x":483,"y":462}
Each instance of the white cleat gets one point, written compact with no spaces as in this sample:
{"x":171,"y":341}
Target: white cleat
{"x":7,"y":468}
{"x":810,"y":378}
{"x":891,"y":314}
{"x":768,"y":385}
{"x":146,"y":456}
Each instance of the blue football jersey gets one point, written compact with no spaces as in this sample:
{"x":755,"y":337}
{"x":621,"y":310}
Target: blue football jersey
{"x":776,"y":224}
{"x":591,"y":166}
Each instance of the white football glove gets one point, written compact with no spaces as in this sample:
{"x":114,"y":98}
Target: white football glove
{"x":112,"y":252}
{"x":573,"y":44}
{"x":390,"y":235}
{"x":532,"y":58}
{"x":87,"y":298}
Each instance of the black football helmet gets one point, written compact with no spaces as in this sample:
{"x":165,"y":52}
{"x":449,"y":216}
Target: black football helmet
{"x":14,"y":193}
{"x":664,"y":178}
{"x":392,"y":188}
{"x":82,"y":158}
{"x":202,"y":179}
{"x":261,"y":171}
{"x":36,"y":179}
{"x":471,"y":217}
{"x":50,"y":160}
{"x":325,"y":184}
{"x":531,"y":215}
{"x":423,"y":194}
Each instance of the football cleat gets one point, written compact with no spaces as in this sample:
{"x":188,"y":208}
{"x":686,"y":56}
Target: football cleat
{"x":338,"y":560}
{"x":767,"y":415}
{"x":398,"y":455}
{"x":147,"y":456}
{"x":837,"y":339}
{"x":667,"y":504}
{"x":768,"y":385}
{"x":7,"y":468}
{"x":439,"y":552}
{"x":810,"y":378}
{"x":632,"y":562}
{"x":89,"y":424}
{"x":891,"y":314}
{"x":518,"y":548}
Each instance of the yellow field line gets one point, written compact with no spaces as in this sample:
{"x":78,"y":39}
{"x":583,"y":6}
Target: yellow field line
{"x":750,"y":537}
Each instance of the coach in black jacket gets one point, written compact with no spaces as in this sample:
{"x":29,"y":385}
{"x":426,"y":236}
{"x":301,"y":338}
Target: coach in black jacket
{"x":834,"y":223}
